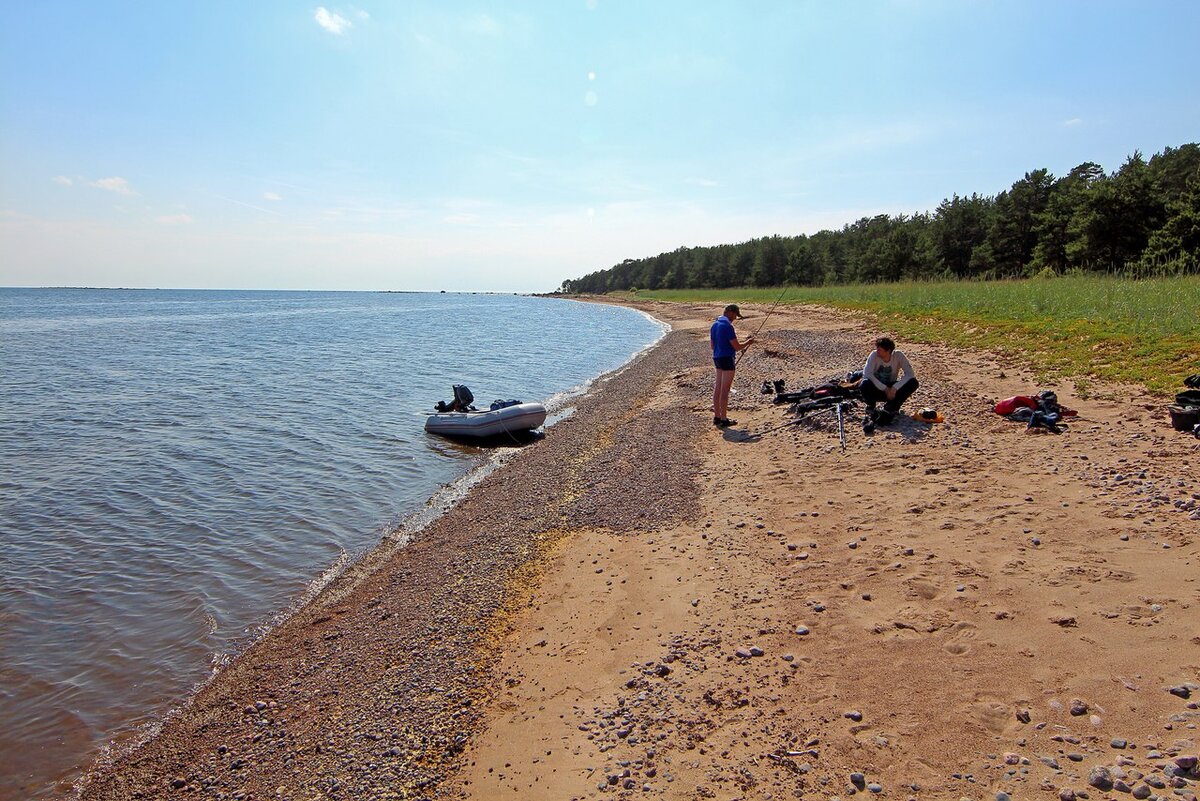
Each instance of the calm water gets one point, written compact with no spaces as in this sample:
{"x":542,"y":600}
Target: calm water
{"x":176,"y":467}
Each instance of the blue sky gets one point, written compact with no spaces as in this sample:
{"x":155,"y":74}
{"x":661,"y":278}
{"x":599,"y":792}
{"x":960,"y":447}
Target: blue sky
{"x":507,"y":146}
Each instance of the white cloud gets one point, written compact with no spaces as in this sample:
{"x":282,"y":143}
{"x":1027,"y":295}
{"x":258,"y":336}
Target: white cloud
{"x":332,"y":22}
{"x":114,"y":184}
{"x":271,"y":196}
{"x":173,"y":219}
{"x":1071,"y":123}
{"x":62,"y":180}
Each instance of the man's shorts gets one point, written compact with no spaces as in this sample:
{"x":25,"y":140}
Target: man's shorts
{"x":724,"y":363}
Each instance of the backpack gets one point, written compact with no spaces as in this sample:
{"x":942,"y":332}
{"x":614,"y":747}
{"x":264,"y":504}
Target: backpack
{"x":1010,"y":405}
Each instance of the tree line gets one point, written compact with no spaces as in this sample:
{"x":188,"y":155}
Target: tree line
{"x":1143,"y":219}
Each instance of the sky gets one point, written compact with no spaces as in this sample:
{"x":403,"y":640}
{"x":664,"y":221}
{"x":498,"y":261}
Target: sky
{"x":507,"y":146}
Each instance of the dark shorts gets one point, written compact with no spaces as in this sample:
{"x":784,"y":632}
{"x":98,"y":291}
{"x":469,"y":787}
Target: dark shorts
{"x":724,"y":363}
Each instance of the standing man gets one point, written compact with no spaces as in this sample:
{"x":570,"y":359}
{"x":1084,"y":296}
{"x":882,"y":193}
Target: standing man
{"x":881,"y":382}
{"x":724,"y":345}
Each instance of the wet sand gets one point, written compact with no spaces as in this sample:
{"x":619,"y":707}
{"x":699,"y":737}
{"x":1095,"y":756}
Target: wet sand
{"x":643,"y":605}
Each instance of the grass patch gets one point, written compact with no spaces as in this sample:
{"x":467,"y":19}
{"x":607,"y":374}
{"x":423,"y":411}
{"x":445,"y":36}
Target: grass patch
{"x":1145,"y":332}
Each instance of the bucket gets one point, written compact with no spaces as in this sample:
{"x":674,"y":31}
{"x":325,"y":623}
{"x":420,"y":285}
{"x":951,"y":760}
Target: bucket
{"x":1184,"y":418}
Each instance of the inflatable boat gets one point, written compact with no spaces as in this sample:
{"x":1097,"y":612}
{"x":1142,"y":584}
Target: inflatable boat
{"x":458,"y":418}
{"x":487,"y":422}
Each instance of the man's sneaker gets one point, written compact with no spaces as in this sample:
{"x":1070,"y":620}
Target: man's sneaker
{"x":869,"y":424}
{"x":717,"y":421}
{"x":726,"y":423}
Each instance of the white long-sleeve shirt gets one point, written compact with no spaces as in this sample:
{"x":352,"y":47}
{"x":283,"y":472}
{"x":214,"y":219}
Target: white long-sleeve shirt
{"x":884,"y":374}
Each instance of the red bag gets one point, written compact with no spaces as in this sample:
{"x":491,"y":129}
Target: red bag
{"x":1010,"y":405}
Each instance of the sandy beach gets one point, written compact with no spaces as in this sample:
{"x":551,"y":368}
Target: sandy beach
{"x":642,"y":605}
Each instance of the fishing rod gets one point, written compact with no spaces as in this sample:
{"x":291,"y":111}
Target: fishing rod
{"x":770,"y":311}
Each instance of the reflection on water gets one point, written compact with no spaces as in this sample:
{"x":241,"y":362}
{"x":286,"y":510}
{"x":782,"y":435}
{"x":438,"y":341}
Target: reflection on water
{"x":178,"y":467}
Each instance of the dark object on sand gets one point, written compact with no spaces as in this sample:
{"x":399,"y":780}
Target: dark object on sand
{"x":827,"y":393}
{"x":1041,"y":411}
{"x":830,"y":396}
{"x":1184,"y":418}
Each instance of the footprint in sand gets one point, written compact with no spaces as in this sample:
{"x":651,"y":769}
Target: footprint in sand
{"x":924,"y":589}
{"x":992,"y":715}
{"x":959,"y":632}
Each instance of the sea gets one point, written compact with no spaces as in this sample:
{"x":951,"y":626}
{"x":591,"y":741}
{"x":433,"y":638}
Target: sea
{"x":179,"y":469}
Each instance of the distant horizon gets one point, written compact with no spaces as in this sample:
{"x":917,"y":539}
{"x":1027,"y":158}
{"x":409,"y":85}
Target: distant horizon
{"x":434,"y":146}
{"x":270,"y":289}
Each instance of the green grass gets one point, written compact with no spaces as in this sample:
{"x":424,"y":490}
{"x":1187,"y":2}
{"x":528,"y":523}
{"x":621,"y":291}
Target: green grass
{"x":1145,"y":332}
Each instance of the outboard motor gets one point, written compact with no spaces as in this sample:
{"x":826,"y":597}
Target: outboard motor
{"x":461,"y":403}
{"x":463,"y":397}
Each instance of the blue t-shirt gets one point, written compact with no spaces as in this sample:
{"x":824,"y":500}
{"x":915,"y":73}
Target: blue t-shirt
{"x":721,"y":334}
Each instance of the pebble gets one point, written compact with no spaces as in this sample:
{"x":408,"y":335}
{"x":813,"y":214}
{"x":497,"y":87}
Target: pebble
{"x":1141,"y":791}
{"x":1117,"y":742}
{"x":1003,"y":796}
{"x":1023,"y":715}
{"x":875,"y":788}
{"x":802,"y":631}
{"x":756,"y":651}
{"x":1100,"y":777}
{"x":858,"y":780}
{"x":1181,"y":691}
{"x":854,"y":715}
{"x":1078,"y":707}
{"x":1066,"y":794}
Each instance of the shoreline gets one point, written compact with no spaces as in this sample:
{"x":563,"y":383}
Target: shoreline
{"x":476,"y":462}
{"x":606,"y":580}
{"x":342,"y":613}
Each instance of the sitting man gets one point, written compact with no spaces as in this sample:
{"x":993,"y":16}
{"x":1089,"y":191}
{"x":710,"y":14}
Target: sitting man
{"x":881,"y":382}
